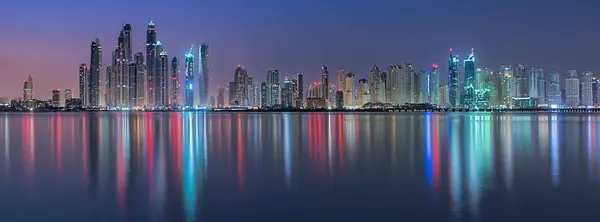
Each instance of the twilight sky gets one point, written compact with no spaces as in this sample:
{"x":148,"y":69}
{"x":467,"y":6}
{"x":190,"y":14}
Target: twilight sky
{"x":49,"y":39}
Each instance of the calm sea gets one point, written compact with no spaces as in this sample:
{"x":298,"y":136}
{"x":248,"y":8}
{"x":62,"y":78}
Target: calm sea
{"x":299,"y":167}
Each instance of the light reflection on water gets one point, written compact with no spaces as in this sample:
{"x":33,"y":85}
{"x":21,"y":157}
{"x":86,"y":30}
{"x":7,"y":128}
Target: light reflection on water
{"x":304,"y":167}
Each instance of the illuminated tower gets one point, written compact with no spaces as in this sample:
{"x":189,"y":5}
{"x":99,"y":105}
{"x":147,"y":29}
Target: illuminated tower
{"x":299,"y":90}
{"x":554,"y":94}
{"x":572,"y":89}
{"x":587,"y":98}
{"x":203,"y":77}
{"x":92,"y":88}
{"x":133,"y":85}
{"x":174,"y":83}
{"x":424,"y":90}
{"x":141,"y":79}
{"x":127,"y":43}
{"x":363,"y":92}
{"x":341,"y":80}
{"x":83,"y":84}
{"x":453,"y":80}
{"x":240,"y":78}
{"x":121,"y":75}
{"x":376,"y":85}
{"x":469,"y":84}
{"x":534,"y":76}
{"x":272,"y":87}
{"x":162,"y":77}
{"x":507,"y":86}
{"x":151,"y":58}
{"x":521,"y":85}
{"x":28,"y":89}
{"x":392,"y":84}
{"x":434,"y":85}
{"x":56,"y":97}
{"x":325,"y":84}
{"x":189,"y":78}
{"x":349,"y":90}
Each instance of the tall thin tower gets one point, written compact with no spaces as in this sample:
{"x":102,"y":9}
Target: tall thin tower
{"x":325,"y":84}
{"x":453,"y":80}
{"x":93,"y":82}
{"x":151,"y":58}
{"x":174,"y":81}
{"x":189,"y":78}
{"x":203,"y":78}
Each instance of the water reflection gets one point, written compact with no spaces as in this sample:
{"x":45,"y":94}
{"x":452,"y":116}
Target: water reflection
{"x":317,"y":166}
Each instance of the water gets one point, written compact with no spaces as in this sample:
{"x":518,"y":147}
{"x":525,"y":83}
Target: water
{"x":299,"y":167}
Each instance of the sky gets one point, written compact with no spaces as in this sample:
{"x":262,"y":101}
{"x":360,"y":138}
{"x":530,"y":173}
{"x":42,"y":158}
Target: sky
{"x":49,"y":39}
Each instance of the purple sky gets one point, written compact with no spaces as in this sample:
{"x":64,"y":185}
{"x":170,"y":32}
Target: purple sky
{"x":49,"y":39}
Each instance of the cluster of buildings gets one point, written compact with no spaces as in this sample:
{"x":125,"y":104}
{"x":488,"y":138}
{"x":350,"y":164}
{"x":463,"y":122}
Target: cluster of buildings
{"x":144,"y":80}
{"x":467,"y":86}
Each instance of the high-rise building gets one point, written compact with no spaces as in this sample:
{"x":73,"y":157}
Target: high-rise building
{"x":133,"y":85}
{"x":203,"y":76}
{"x":444,"y":95}
{"x":84,"y":84}
{"x":264,"y":91}
{"x":349,"y":90}
{"x":376,"y":85}
{"x":534,"y":75}
{"x":273,"y":87}
{"x":240,"y":96}
{"x":56,"y":97}
{"x":424,"y":87}
{"x":110,"y":84}
{"x":469,"y":82}
{"x":220,"y":97}
{"x":507,"y":86}
{"x":298,"y":88}
{"x":128,"y":43}
{"x":392,"y":84}
{"x":174,"y":82}
{"x":121,"y":74}
{"x":587,"y":98}
{"x":151,"y":66}
{"x":406,"y":85}
{"x":416,"y":87}
{"x":227,"y":94}
{"x":28,"y":89}
{"x":339,"y":99}
{"x":141,"y":79}
{"x":341,"y":80}
{"x":325,"y":84}
{"x":521,"y":83}
{"x":479,"y":79}
{"x":434,"y":85}
{"x":453,"y":80}
{"x":162,"y":80}
{"x":572,"y":89}
{"x":363,"y":92}
{"x":286,"y":93}
{"x":189,"y":79}
{"x":541,"y":99}
{"x":595,"y":90}
{"x":554,"y":95}
{"x":93,"y":79}
{"x":68,"y":94}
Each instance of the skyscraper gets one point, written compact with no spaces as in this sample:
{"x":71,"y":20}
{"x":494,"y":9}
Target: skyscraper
{"x":587,"y":98}
{"x":299,"y":90}
{"x":469,"y":84}
{"x":203,"y":76}
{"x":132,"y":100}
{"x":110,"y":85}
{"x":453,"y":80}
{"x":28,"y":89}
{"x":434,"y":85}
{"x":349,"y":90}
{"x":141,"y":79}
{"x":68,"y":94}
{"x":286,"y":93}
{"x":93,"y":82}
{"x":520,"y":81}
{"x":341,"y":80}
{"x":162,"y":80}
{"x":325,"y":84}
{"x":534,"y":76}
{"x":151,"y":58}
{"x":554,"y":95}
{"x":240,"y":79}
{"x":127,"y":42}
{"x":84,"y":84}
{"x":507,"y":86}
{"x":174,"y":101}
{"x":56,"y":97}
{"x":263,"y":94}
{"x":376,"y":85}
{"x":541,"y":89}
{"x":189,"y":78}
{"x":272,"y":87}
{"x":121,"y":74}
{"x":424,"y":87}
{"x":595,"y":90}
{"x":392,"y":84}
{"x":363,"y":92}
{"x":572,"y":89}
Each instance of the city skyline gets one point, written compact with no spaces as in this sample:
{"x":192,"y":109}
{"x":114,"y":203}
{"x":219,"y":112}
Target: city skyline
{"x":286,"y":49}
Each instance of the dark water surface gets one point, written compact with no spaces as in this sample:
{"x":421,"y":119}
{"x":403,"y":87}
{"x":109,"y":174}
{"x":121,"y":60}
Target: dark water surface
{"x":299,"y":167}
